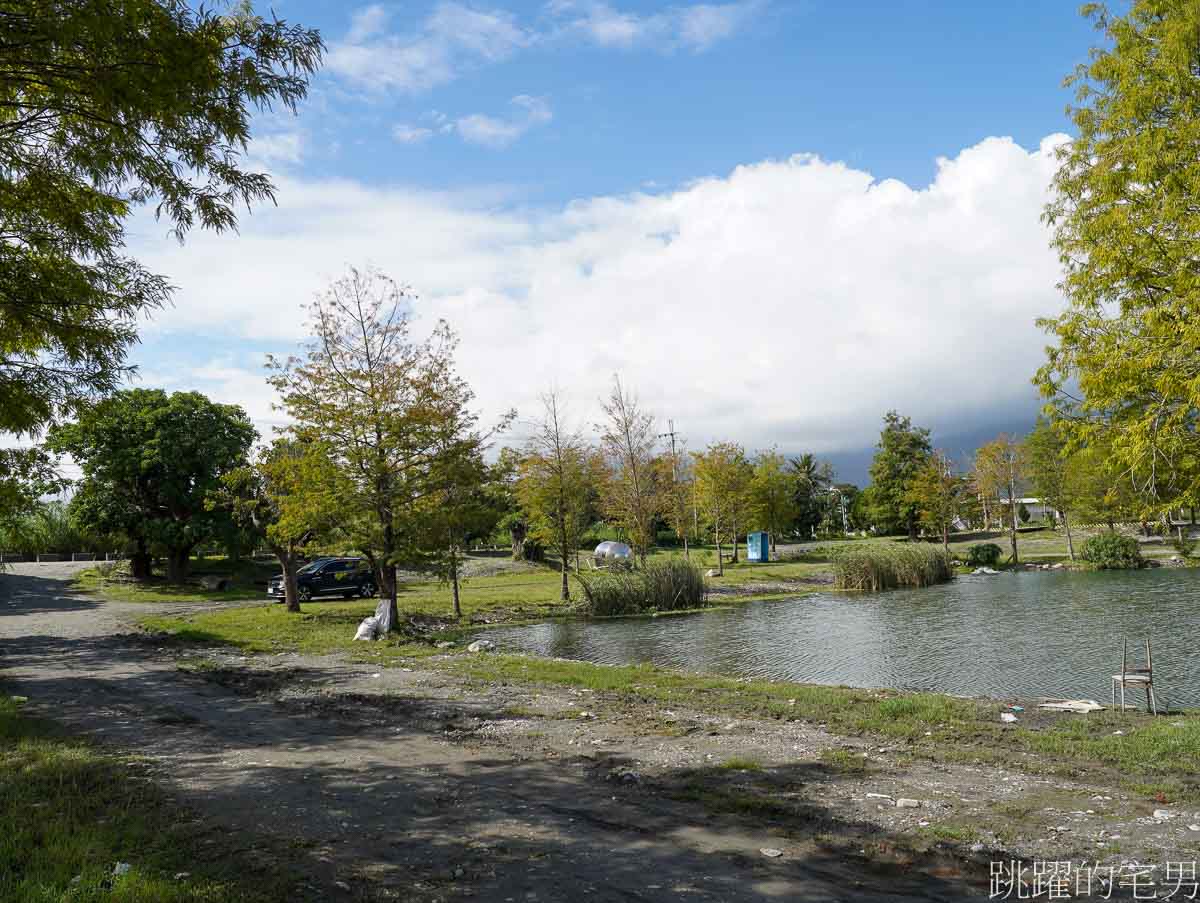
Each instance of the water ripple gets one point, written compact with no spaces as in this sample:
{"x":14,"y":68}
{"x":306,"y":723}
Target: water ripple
{"x":1017,"y":634}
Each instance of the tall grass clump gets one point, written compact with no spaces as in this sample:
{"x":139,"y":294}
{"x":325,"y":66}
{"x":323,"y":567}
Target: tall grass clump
{"x":879,"y":567}
{"x":669,"y":585}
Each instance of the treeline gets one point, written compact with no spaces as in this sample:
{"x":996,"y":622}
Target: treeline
{"x":916,"y":489}
{"x":385,"y":458}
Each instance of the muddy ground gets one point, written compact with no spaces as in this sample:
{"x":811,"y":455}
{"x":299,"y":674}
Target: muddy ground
{"x":391,"y":783}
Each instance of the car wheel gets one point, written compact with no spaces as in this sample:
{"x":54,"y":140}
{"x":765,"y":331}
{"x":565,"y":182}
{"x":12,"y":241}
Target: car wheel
{"x":305,"y":594}
{"x":367,"y":590}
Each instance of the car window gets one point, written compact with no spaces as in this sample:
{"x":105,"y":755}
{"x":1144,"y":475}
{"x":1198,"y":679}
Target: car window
{"x":311,"y":567}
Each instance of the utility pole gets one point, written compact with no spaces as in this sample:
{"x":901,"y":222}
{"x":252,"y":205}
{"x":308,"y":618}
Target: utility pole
{"x":671,"y":434}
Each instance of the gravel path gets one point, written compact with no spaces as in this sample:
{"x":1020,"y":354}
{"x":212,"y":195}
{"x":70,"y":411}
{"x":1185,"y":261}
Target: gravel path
{"x":389,"y":799}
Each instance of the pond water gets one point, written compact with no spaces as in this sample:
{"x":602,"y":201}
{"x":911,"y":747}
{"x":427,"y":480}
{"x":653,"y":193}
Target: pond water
{"x":1034,"y":633}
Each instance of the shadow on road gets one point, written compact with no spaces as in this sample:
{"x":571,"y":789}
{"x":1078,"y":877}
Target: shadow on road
{"x":400,"y":796}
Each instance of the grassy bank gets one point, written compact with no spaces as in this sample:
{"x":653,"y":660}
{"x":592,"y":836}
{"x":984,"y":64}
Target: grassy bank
{"x":1161,"y":753}
{"x":69,"y":814}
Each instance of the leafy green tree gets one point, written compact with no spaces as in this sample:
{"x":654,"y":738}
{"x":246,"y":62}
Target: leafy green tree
{"x":26,"y":475}
{"x":811,"y":479}
{"x":49,"y":527}
{"x":1050,"y":467}
{"x":938,"y":494}
{"x":773,"y":501}
{"x":1102,"y":492}
{"x":150,"y":460}
{"x":722,"y":475}
{"x":288,"y":496}
{"x":511,"y":519}
{"x":631,"y":495}
{"x":384,"y":405}
{"x":559,"y":483}
{"x":457,"y":505}
{"x":999,"y":465}
{"x":678,"y":494}
{"x":1126,"y":227}
{"x":105,"y":107}
{"x":902,"y":452}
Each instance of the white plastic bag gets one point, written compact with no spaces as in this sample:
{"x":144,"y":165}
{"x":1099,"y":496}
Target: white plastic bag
{"x":368,"y":629}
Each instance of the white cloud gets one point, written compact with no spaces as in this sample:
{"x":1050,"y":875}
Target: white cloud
{"x":695,"y":27}
{"x":493,"y":132}
{"x":366,"y":23}
{"x":410,"y":134}
{"x":455,"y":37}
{"x":451,"y":38}
{"x":791,"y":302}
{"x":278,"y":147}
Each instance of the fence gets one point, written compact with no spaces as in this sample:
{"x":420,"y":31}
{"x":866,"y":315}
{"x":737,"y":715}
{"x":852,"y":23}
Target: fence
{"x":16,"y":557}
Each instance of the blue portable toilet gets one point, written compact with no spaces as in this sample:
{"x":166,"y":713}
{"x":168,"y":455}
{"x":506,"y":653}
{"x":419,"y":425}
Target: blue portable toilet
{"x":758,"y":546}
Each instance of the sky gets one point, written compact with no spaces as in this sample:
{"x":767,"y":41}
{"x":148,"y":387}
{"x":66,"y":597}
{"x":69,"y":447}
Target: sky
{"x":774,"y":220}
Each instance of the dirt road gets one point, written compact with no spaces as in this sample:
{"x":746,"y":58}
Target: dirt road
{"x":386,"y":796}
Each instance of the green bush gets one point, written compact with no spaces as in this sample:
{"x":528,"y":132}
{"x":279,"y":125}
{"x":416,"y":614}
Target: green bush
{"x":984,"y":554}
{"x":669,"y":585}
{"x":877,"y":567}
{"x":1113,"y":551}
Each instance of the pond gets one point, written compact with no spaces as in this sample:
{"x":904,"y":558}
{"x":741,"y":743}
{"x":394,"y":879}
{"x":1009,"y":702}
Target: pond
{"x":1024,"y":634}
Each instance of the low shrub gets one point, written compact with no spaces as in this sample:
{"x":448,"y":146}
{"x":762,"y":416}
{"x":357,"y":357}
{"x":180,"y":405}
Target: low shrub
{"x":879,"y":567}
{"x":1113,"y":551}
{"x":984,"y":554}
{"x":670,"y":585}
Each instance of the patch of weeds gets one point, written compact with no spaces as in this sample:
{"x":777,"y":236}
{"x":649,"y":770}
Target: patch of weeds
{"x":951,"y":833}
{"x":196,"y":664}
{"x":740,"y":764}
{"x":69,"y":813}
{"x":519,"y":711}
{"x":1018,"y":810}
{"x":736,"y":802}
{"x":845,"y":761}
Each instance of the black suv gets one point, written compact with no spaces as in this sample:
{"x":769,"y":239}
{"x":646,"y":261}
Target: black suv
{"x":345,"y":577}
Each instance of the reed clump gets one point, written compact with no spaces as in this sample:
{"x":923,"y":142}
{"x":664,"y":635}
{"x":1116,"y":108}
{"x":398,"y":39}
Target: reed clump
{"x":877,"y":567}
{"x":670,"y":585}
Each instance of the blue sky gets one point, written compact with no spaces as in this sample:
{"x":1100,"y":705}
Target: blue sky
{"x":886,"y":86}
{"x":750,"y":190}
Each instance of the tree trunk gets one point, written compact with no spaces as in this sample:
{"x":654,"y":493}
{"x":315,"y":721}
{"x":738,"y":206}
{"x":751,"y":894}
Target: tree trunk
{"x":1012,"y":509}
{"x":517,"y":533}
{"x":139,"y":562}
{"x":686,"y":553}
{"x":733,"y":557}
{"x":177,"y":564}
{"x":946,"y":537}
{"x":564,"y":557}
{"x":1070,"y":543}
{"x":454,"y":580}
{"x":720,"y":556}
{"x":291,"y":592}
{"x":386,"y":612}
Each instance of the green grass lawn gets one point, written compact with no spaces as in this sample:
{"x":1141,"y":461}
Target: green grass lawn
{"x":249,"y":581}
{"x":69,"y":813}
{"x":1046,"y":546}
{"x":525,"y":592}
